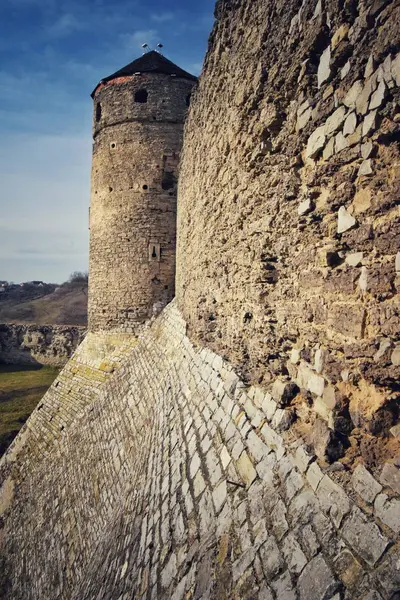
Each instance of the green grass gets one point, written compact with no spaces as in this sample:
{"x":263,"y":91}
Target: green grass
{"x":21,"y":388}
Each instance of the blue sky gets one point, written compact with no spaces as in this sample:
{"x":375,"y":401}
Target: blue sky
{"x":52,"y":54}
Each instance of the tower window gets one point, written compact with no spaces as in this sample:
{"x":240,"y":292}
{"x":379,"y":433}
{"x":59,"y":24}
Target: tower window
{"x":145,"y":187}
{"x":154,"y":252}
{"x":188,"y":97}
{"x":98,"y":112}
{"x":113,"y":145}
{"x":168,"y":180}
{"x":141,"y":96}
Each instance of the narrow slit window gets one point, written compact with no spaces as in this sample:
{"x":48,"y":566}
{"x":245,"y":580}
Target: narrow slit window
{"x":154,"y":252}
{"x":98,"y":112}
{"x":141,"y":96}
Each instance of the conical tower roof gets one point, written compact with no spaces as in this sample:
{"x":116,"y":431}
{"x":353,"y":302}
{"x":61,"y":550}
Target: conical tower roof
{"x":150,"y":62}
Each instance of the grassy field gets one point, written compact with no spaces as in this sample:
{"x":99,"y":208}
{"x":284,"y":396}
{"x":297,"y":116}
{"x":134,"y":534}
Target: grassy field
{"x":21,"y":388}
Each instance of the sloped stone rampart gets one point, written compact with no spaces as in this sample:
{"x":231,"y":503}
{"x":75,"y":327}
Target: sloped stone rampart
{"x":173,"y":480}
{"x":288,"y":218}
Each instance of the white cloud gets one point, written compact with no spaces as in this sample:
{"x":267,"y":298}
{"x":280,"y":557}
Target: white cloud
{"x":162,"y":17}
{"x":64,"y":26}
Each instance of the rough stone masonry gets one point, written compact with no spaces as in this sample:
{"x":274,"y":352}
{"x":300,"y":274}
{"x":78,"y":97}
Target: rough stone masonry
{"x":244,"y":444}
{"x":289,"y":232}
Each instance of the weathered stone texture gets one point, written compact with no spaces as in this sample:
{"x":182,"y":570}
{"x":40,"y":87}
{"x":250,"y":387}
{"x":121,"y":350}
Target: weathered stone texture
{"x":288,"y":231}
{"x":150,"y":471}
{"x":133,"y":203}
{"x":43,"y":344}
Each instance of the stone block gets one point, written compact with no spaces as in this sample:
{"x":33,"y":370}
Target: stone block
{"x":314,"y":475}
{"x":353,"y":94}
{"x":388,"y":573}
{"x":256,"y":447}
{"x":294,"y":483}
{"x":364,"y":484}
{"x":302,"y":459}
{"x":293,"y":554}
{"x":378,"y":96}
{"x":348,"y":569}
{"x":283,"y":587}
{"x":395,"y":357}
{"x":240,"y":566}
{"x":350,"y":124}
{"x":316,"y":385}
{"x":278,"y":518}
{"x":317,"y":577}
{"x":219,"y":496}
{"x":305,"y":207}
{"x":324,"y":69}
{"x":271,"y":558}
{"x":354,"y":259}
{"x":388,"y":511}
{"x":364,"y":537}
{"x":335,"y":121}
{"x":366,"y":149}
{"x":269,"y":406}
{"x":341,"y":142}
{"x":329,"y":149}
{"x":340,"y":34}
{"x":246,"y":469}
{"x":302,"y":119}
{"x":333,"y":500}
{"x":345,"y":220}
{"x":369,"y":123}
{"x":365,"y":168}
{"x":315,"y":143}
{"x":390,"y":476}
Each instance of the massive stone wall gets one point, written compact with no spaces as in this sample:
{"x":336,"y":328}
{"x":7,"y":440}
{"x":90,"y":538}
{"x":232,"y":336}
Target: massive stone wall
{"x":133,"y":203}
{"x":156,"y":473}
{"x":288,"y":232}
{"x":38,"y":344}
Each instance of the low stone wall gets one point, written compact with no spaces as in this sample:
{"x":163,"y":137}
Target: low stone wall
{"x":168,"y":478}
{"x":43,"y":344}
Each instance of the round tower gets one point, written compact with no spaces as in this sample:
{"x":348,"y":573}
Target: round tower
{"x":139,"y":114}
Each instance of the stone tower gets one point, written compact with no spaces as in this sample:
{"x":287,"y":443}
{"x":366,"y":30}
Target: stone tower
{"x":139,"y":114}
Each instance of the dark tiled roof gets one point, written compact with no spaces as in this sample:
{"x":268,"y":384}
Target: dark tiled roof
{"x":150,"y":62}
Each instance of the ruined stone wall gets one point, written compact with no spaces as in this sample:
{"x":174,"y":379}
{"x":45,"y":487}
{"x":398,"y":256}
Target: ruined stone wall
{"x":288,"y":232}
{"x":43,"y":344}
{"x":170,"y":478}
{"x":133,"y":204}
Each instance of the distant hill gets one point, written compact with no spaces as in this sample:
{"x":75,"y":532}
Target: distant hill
{"x":46,"y":304}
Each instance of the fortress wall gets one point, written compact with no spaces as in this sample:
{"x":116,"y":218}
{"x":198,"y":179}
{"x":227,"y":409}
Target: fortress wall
{"x":43,"y":344}
{"x":176,"y":481}
{"x":288,"y":233}
{"x":133,"y":202}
